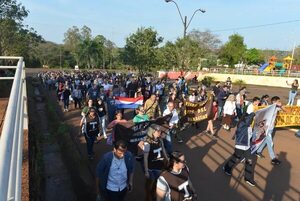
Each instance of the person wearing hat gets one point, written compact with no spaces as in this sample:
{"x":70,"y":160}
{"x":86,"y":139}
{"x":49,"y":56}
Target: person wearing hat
{"x":90,"y":125}
{"x":154,"y":156}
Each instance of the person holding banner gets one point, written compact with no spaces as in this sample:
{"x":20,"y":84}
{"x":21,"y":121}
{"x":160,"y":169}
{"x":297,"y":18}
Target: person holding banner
{"x":268,"y":141}
{"x":141,"y":116}
{"x":111,"y":125}
{"x":154,"y":157}
{"x":242,"y":149}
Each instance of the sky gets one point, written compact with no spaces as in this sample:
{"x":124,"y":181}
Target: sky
{"x":117,"y":19}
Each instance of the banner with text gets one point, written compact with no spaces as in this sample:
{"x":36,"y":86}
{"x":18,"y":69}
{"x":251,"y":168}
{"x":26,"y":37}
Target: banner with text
{"x":288,"y":116}
{"x":195,"y":112}
{"x":134,"y":133}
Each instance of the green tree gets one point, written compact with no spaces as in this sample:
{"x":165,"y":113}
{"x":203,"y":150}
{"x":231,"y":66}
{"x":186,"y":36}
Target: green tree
{"x":72,"y":40}
{"x":88,"y":53}
{"x":15,"y":38}
{"x":49,"y":54}
{"x":167,"y":56}
{"x":253,"y":56}
{"x":232,"y":52}
{"x":141,"y":49}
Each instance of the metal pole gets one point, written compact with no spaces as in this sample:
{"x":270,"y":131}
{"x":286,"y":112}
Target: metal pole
{"x":184,"y":26}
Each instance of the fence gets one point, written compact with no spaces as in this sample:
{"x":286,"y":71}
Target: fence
{"x":276,"y":73}
{"x":11,"y":140}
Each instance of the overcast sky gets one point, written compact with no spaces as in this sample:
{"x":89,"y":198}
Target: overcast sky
{"x":117,"y":19}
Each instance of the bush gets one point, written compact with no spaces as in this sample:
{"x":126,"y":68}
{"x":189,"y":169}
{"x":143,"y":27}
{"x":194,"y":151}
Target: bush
{"x":207,"y":81}
{"x":240,"y":83}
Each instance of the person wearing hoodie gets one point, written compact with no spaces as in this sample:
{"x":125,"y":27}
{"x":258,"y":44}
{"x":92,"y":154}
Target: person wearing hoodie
{"x":242,"y":149}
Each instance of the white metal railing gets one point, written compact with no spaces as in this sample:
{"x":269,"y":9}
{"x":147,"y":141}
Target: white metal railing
{"x":11,"y":140}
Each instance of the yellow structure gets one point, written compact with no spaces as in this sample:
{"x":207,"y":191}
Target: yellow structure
{"x":272,"y":62}
{"x":287,"y":62}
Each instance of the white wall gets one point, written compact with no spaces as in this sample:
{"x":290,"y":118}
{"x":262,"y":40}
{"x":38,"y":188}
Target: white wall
{"x":254,"y":79}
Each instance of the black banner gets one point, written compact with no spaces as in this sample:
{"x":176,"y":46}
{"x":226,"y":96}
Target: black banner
{"x":134,"y":133}
{"x":195,"y":112}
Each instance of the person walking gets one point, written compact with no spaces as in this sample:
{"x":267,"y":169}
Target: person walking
{"x":268,"y":141}
{"x":102,"y":116}
{"x":141,"y":116}
{"x":154,"y":156}
{"x":152,"y":108}
{"x":66,"y":98}
{"x":77,"y":97}
{"x":229,"y":112}
{"x":172,"y":127}
{"x":293,"y":91}
{"x":90,"y":125}
{"x":115,"y":173}
{"x":242,"y":149}
{"x":175,"y":184}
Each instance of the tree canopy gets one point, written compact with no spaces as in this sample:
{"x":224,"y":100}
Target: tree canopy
{"x":233,"y":51}
{"x":141,"y":48}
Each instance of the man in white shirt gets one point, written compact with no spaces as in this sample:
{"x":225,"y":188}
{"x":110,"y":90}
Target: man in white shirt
{"x":252,"y":106}
{"x":172,"y":124}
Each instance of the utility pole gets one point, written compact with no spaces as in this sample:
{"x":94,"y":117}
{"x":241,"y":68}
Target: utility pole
{"x":184,"y":20}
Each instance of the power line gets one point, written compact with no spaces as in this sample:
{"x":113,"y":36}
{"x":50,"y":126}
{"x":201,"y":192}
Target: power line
{"x":256,"y":26}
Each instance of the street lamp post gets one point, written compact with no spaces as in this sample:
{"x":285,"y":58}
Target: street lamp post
{"x":184,"y":21}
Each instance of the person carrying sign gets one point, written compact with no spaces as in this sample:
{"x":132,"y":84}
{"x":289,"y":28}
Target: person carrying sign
{"x":242,"y":149}
{"x":268,"y":141}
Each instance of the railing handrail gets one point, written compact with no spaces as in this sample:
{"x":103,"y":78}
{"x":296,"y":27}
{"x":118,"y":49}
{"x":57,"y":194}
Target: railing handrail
{"x":11,"y":140}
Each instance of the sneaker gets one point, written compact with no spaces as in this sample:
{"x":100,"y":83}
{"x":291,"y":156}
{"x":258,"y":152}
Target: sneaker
{"x":243,"y":160}
{"x":180,"y":141}
{"x":275,"y":161}
{"x":250,"y":182}
{"x":226,"y":172}
{"x":259,"y":155}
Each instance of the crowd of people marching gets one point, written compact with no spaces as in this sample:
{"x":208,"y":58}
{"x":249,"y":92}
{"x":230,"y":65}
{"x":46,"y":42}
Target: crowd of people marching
{"x":166,"y":172}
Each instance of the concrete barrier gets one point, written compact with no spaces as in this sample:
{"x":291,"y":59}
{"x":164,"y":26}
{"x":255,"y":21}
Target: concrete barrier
{"x":254,"y":79}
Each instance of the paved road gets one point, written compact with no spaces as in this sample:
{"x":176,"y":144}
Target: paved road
{"x":205,"y":157}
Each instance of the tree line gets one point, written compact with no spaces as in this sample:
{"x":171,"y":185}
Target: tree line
{"x":145,"y":50}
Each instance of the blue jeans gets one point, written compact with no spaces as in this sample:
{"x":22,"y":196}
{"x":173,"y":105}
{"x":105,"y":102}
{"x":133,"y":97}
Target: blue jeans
{"x":66,"y":103}
{"x":90,"y":143}
{"x":103,"y":124}
{"x":291,"y":97}
{"x":268,"y":141}
{"x":220,"y":111}
{"x":154,"y":174}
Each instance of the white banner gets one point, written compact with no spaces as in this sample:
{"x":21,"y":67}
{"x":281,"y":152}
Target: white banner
{"x":263,"y":122}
